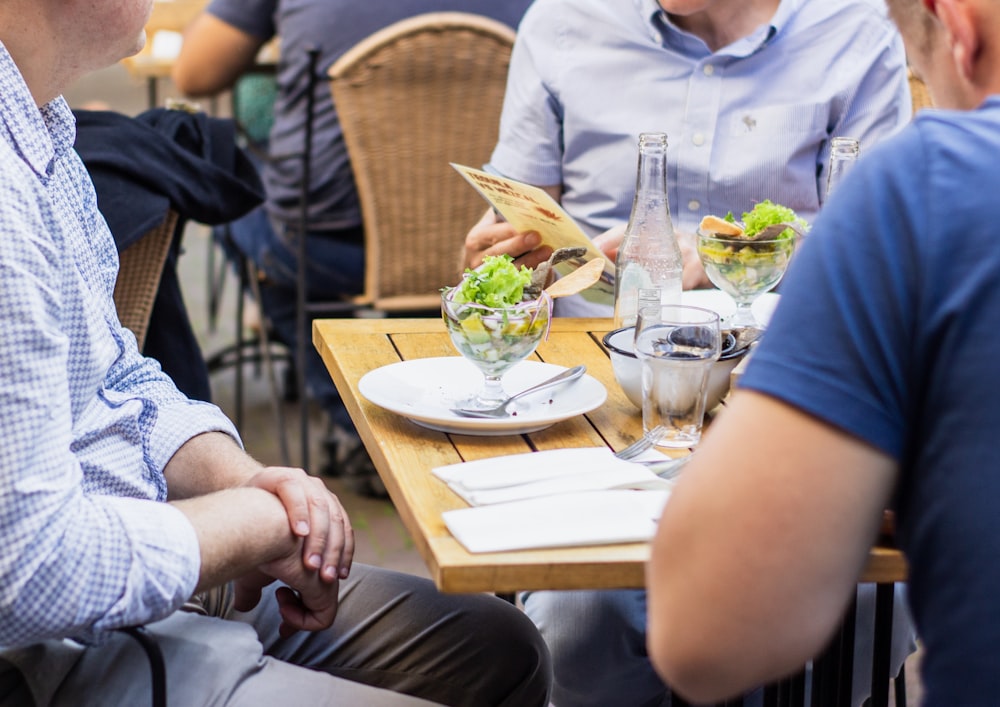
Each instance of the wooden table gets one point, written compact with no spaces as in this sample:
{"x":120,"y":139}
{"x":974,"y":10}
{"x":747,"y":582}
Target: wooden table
{"x":404,"y":454}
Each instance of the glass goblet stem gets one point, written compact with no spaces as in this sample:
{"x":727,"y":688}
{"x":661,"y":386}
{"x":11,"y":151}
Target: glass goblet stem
{"x":492,"y":392}
{"x":743,"y":316}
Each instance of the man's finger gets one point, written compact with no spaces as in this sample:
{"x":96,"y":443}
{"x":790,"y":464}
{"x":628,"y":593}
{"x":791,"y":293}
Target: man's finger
{"x":315,"y":548}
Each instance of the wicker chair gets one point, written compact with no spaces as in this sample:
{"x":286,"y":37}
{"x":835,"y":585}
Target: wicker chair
{"x":411,"y":98}
{"x":141,"y":265}
{"x":139,"y":271}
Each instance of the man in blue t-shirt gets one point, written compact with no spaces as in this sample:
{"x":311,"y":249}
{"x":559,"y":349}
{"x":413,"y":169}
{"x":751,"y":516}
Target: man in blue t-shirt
{"x":222,"y":44}
{"x":875,"y":386}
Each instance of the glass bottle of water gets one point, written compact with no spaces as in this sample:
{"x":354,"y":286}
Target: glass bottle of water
{"x":649,"y":258}
{"x":844,"y":153}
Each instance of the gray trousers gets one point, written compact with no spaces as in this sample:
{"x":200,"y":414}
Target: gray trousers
{"x":396,"y":641}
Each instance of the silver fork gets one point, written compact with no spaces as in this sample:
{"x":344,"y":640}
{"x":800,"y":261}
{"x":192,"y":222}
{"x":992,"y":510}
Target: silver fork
{"x":668,"y":469}
{"x":640,"y":445}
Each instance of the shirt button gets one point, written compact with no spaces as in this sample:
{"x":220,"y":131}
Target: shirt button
{"x":698,"y":139}
{"x":694,"y":205}
{"x":708,"y":69}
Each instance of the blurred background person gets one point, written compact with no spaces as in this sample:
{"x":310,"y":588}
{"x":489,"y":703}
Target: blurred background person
{"x":220,"y":46}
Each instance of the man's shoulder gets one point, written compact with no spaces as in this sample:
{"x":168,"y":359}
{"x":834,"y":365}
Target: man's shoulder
{"x":577,"y":25}
{"x":573,"y":12}
{"x":853,"y":30}
{"x":825,"y":8}
{"x":958,"y":149}
{"x":842,"y":16}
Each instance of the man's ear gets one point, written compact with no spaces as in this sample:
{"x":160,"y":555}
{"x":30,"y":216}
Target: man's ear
{"x":959,"y":20}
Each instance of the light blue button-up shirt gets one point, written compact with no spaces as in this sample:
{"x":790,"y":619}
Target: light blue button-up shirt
{"x":748,"y":122}
{"x":88,"y":423}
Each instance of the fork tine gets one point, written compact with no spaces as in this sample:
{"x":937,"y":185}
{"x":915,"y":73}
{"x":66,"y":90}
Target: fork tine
{"x":641,"y":444}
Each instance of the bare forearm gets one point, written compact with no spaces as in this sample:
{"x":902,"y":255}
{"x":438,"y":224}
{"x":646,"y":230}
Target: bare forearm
{"x":206,"y":463}
{"x":763,"y":547}
{"x":214,"y":55}
{"x":238,"y":530}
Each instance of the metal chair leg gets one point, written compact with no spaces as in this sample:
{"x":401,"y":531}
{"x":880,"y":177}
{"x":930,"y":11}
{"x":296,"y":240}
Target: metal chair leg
{"x":157,"y":665}
{"x":899,"y":687}
{"x":216,"y":279}
{"x":272,"y":380}
{"x":883,"y":644}
{"x":303,"y":338}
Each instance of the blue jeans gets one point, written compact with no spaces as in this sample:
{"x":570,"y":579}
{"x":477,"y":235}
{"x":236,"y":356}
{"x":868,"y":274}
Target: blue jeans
{"x":335,"y":270}
{"x":598,"y":644}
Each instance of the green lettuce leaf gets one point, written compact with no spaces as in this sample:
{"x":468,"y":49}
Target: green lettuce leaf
{"x":495,"y":283}
{"x":766,"y":213}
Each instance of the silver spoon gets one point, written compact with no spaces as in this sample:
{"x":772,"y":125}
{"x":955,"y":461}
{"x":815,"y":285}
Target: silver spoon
{"x":500,"y":410}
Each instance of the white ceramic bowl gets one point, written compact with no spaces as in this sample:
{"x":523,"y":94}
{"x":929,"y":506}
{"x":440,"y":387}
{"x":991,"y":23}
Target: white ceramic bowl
{"x":628,"y":370}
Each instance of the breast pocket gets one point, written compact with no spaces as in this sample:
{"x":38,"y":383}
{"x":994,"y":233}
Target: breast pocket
{"x":772,"y":152}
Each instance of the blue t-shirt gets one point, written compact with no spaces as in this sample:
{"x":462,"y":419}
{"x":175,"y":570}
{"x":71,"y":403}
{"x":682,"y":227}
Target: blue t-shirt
{"x":889,"y":328}
{"x":332,"y":26}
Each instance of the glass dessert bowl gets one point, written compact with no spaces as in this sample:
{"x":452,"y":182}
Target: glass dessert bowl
{"x":494,"y":338}
{"x":745,"y":268}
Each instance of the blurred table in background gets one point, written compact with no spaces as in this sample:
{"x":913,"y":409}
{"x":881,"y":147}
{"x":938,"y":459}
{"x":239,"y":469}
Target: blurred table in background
{"x":164,"y":37}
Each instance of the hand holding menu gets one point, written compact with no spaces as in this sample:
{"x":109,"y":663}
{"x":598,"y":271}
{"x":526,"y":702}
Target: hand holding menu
{"x":528,"y":208}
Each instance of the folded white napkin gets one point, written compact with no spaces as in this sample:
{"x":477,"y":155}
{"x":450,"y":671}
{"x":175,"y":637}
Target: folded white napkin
{"x":519,"y":476}
{"x":565,"y":520}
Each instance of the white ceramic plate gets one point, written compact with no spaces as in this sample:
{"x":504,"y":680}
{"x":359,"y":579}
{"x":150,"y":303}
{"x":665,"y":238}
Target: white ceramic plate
{"x":718,"y":301}
{"x":424,"y":389}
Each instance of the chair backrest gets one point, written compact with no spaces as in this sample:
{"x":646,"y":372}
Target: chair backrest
{"x":141,"y":266}
{"x":919,"y":93}
{"x":411,"y":98}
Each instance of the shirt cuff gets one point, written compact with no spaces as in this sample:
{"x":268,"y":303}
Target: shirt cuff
{"x":179,"y":422}
{"x":164,"y":564}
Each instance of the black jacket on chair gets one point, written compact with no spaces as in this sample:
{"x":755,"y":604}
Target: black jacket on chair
{"x":146,"y":165}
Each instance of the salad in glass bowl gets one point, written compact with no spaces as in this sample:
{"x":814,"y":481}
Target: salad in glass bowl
{"x":746,"y":259}
{"x":493,"y":324}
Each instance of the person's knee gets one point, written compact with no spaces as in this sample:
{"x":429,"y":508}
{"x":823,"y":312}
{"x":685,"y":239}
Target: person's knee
{"x":510,"y":639}
{"x":206,"y":660}
{"x":215,"y":656}
{"x":572,"y":621}
{"x":598,"y":646}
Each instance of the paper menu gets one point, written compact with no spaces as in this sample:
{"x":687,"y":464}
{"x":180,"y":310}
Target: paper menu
{"x":529,"y":208}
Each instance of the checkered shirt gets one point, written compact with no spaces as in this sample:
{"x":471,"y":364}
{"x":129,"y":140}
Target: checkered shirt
{"x":88,"y":423}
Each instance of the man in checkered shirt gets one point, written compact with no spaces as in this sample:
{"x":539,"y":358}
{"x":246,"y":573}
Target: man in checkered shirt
{"x":120,"y":499}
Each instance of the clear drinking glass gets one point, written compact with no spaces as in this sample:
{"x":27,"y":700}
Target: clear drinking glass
{"x":494,"y":339}
{"x":745,"y":269}
{"x":677,"y":346}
